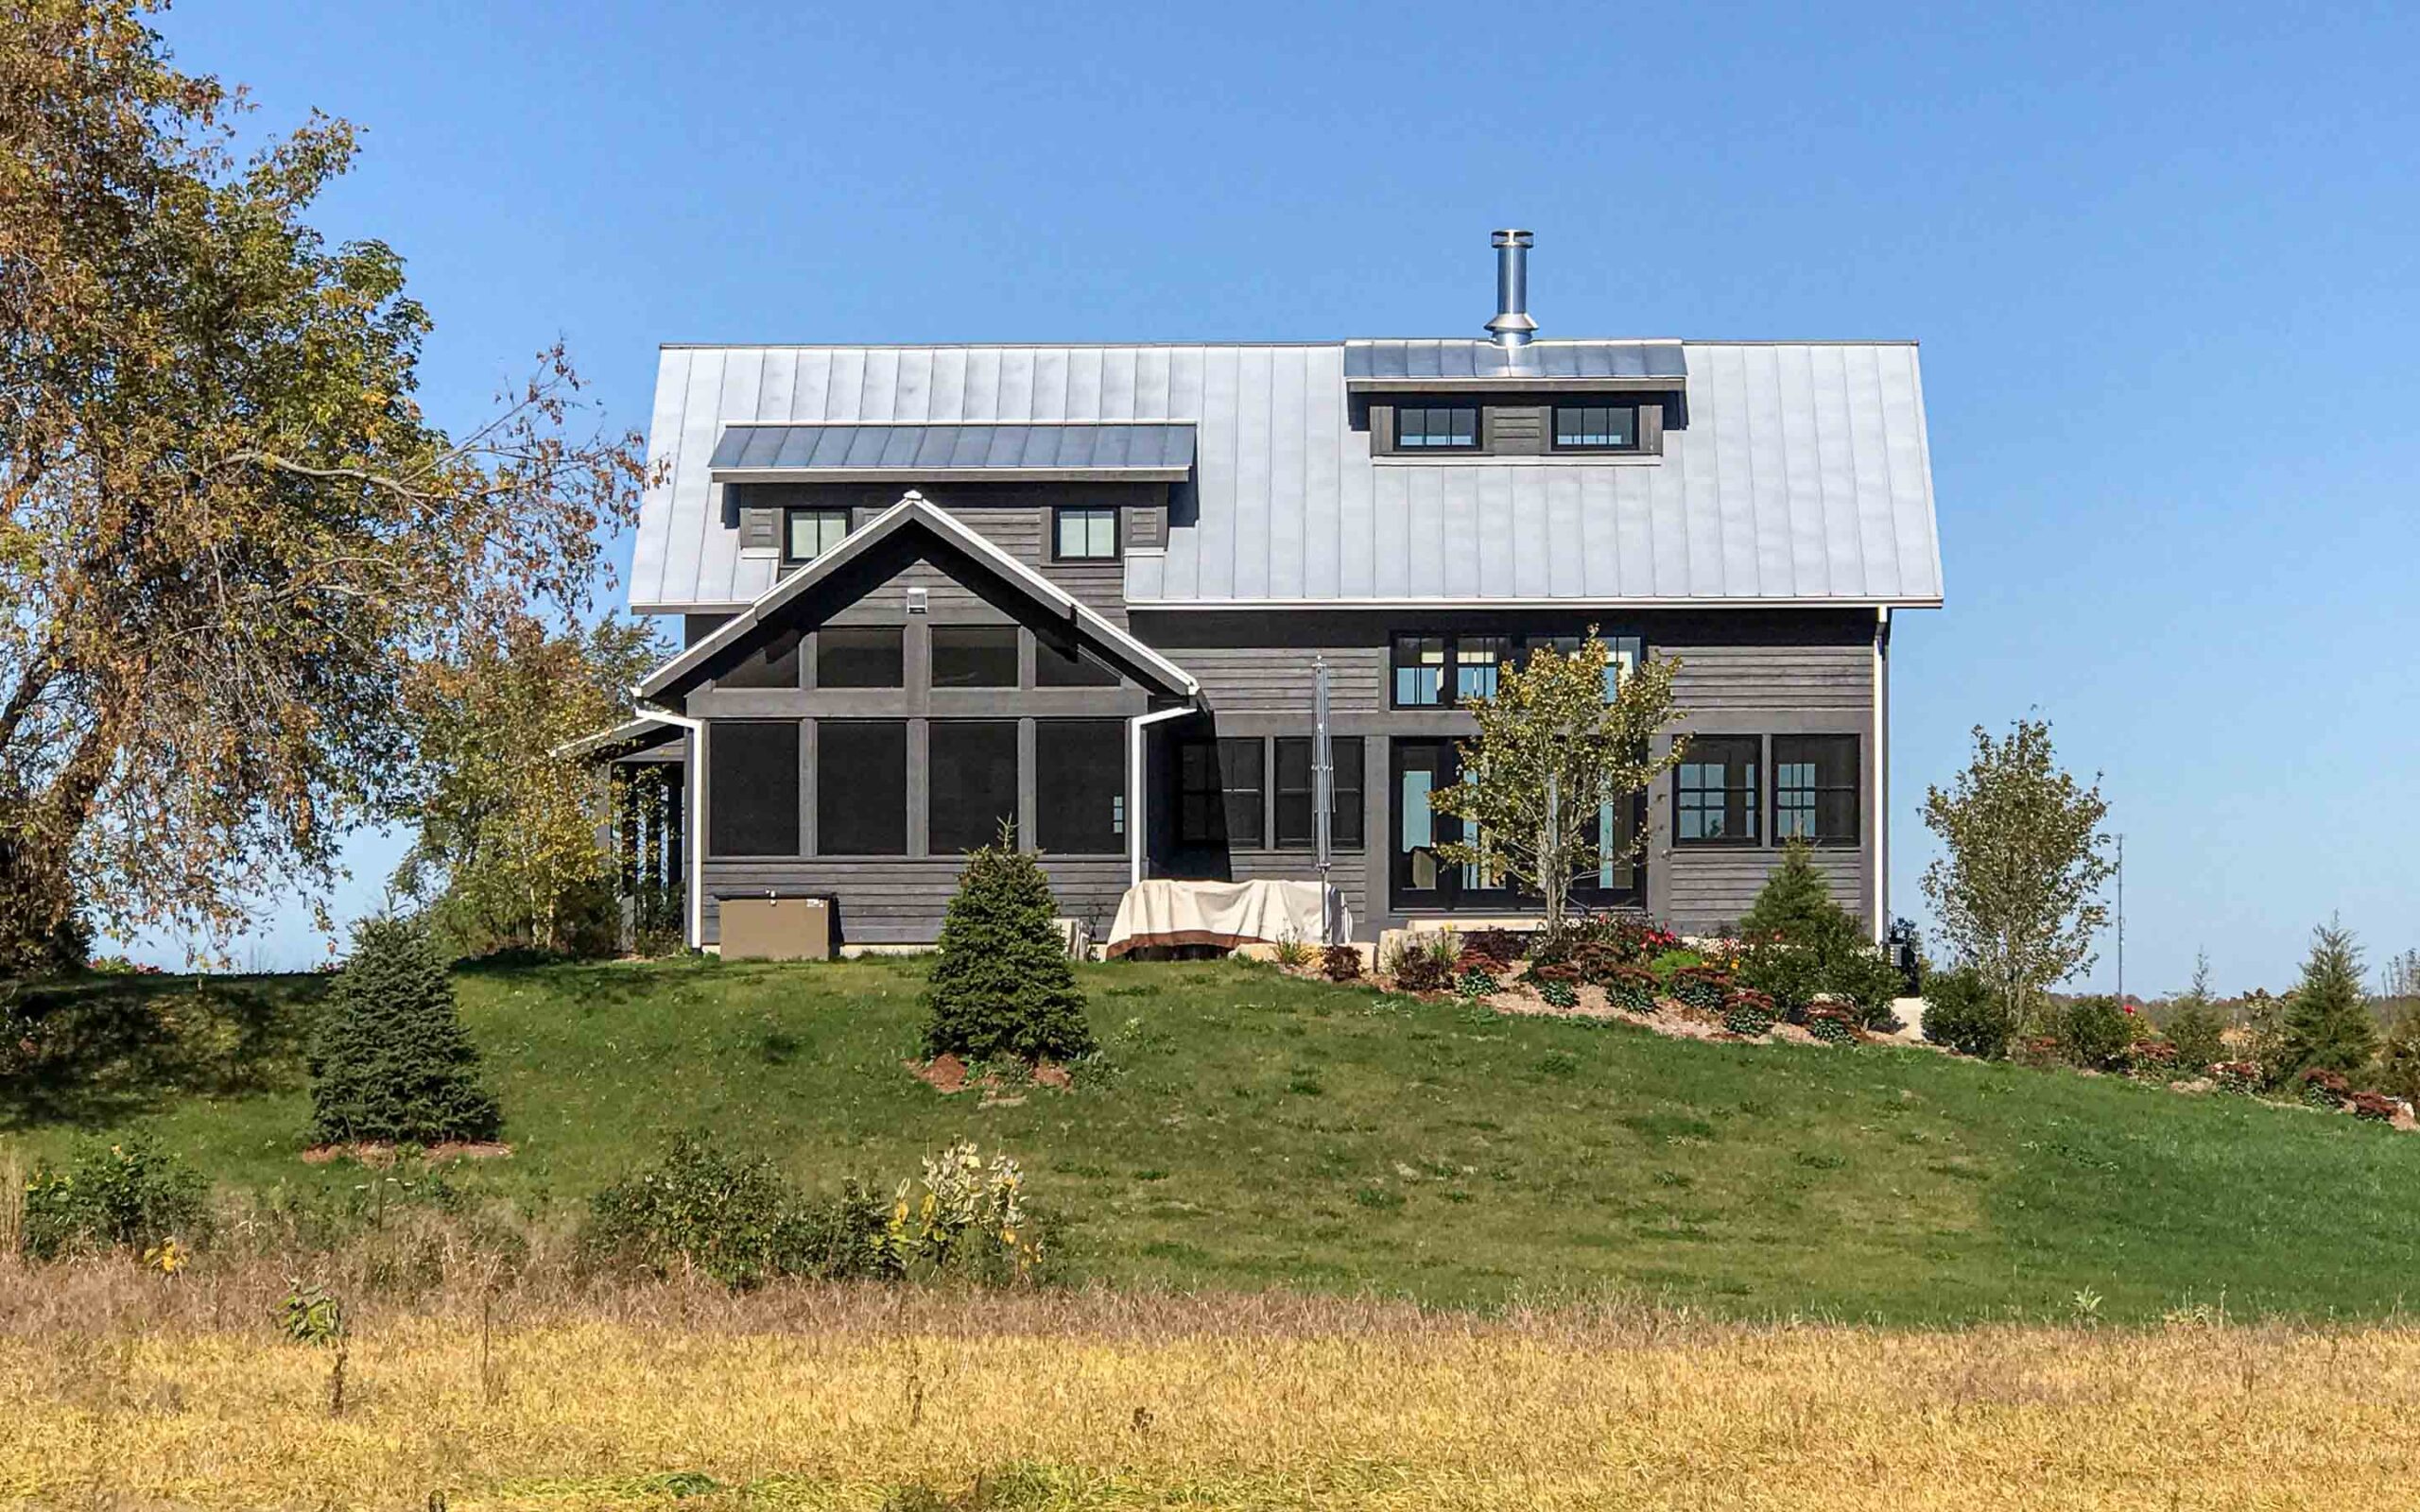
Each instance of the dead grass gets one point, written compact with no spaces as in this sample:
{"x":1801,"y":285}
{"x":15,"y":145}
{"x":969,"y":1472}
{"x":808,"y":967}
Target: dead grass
{"x":123,"y":1388}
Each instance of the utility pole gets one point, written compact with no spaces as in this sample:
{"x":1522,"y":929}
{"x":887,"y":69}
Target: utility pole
{"x":2122,"y":920}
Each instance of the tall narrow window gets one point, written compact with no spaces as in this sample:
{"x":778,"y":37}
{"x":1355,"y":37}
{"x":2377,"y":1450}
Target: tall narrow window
{"x":856,"y":656}
{"x":973,"y":784}
{"x":861,"y":788}
{"x":1815,"y":789}
{"x":1436,"y":428}
{"x":1080,"y":786}
{"x":1086,"y":533}
{"x":1420,"y":671}
{"x":752,"y":787}
{"x":810,"y":533}
{"x":975,"y":656}
{"x":1715,"y":794}
{"x":1295,"y":790}
{"x":1596,"y":427}
{"x":1220,"y":792}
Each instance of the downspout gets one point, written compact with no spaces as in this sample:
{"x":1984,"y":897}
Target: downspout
{"x":693,"y":847}
{"x":1137,"y":822}
{"x":1881,"y":773}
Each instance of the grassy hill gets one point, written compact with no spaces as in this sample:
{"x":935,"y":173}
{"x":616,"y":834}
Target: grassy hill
{"x":1255,"y":1131}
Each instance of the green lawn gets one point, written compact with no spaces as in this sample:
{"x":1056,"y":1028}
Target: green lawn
{"x":1256,"y":1130}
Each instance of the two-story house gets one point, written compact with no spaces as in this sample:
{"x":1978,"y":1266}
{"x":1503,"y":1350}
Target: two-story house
{"x":1083,"y":588}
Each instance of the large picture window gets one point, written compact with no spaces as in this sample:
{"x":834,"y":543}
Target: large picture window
{"x":1815,"y":789}
{"x":1080,"y":786}
{"x":973,"y":783}
{"x":809,"y":533}
{"x":975,"y":656}
{"x":1295,"y":789}
{"x":1715,"y":791}
{"x":861,"y":787}
{"x":752,"y":787}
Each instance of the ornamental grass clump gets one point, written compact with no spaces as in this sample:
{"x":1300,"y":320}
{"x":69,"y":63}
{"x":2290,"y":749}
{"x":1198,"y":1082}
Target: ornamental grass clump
{"x":1002,"y":988}
{"x":390,"y":1062}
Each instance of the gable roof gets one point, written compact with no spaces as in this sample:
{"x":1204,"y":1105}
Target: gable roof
{"x":915,"y":512}
{"x":1801,"y":477}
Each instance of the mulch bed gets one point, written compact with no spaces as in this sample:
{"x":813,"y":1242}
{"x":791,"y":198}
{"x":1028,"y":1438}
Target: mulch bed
{"x":379,"y":1154}
{"x":946,"y":1074}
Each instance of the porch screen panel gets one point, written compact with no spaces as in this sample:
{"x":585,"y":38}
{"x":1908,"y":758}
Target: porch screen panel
{"x":1080,"y":786}
{"x":752,"y":787}
{"x":861,"y":787}
{"x":974,"y":784}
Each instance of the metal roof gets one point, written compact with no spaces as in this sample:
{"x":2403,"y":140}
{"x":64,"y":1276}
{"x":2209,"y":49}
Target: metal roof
{"x":1068,"y":449}
{"x":1801,"y":477}
{"x":1380,"y":363}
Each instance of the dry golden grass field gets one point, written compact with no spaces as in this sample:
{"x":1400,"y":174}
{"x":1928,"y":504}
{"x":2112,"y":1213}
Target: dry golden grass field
{"x":124,"y":1389}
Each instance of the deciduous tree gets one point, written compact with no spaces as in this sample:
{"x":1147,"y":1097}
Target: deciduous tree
{"x":2017,"y":889}
{"x":1553,"y":746}
{"x":228,"y":532}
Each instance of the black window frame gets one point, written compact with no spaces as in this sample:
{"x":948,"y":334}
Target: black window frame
{"x":1854,"y":789}
{"x":935,"y":635}
{"x":1347,"y":806}
{"x":1743,"y":795}
{"x":1227,"y":759}
{"x":1477,"y":442}
{"x":1513,"y":651}
{"x":1117,"y":532}
{"x":1554,"y":428}
{"x":950,"y":787}
{"x":791,"y":515}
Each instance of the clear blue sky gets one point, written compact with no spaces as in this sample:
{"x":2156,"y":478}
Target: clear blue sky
{"x":2162,"y":261}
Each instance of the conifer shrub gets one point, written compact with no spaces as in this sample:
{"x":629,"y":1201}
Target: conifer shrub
{"x":2326,"y":1021}
{"x":390,"y":1061}
{"x":1003,"y":987}
{"x":1802,"y":945}
{"x":2199,"y":1033}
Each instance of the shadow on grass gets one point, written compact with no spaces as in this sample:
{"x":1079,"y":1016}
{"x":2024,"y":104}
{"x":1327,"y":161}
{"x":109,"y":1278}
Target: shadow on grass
{"x":97,"y":1050}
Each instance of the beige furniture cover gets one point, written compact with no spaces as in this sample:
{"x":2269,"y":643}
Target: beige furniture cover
{"x":1225,"y":913}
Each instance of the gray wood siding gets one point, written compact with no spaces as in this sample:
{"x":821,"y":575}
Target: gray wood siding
{"x":900,"y":901}
{"x":1711,"y":889}
{"x":1716,"y":681}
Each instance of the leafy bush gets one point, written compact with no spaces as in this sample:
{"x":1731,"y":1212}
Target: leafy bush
{"x":311,"y":1314}
{"x":2324,"y":1089}
{"x":2199,"y":1033}
{"x":1002,"y":988}
{"x":2241,"y":1077}
{"x":2151,"y":1060}
{"x":1748,"y":1012}
{"x":1962,"y":1012}
{"x":732,"y":1220}
{"x":1833,"y":1025}
{"x":1631,"y":989}
{"x":1492,"y":948}
{"x":1616,"y":939}
{"x":1476,"y":982}
{"x":1556,"y":993}
{"x":969,"y":1220}
{"x":2376,"y":1106}
{"x":1705,"y":988}
{"x":1425,"y":962}
{"x":2400,"y":1057}
{"x":132,"y":1195}
{"x":2094,"y":1033}
{"x":1340,"y":963}
{"x":391,"y":1061}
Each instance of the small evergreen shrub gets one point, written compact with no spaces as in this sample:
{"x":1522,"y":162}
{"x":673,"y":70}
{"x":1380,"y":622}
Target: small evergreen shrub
{"x":1705,"y":988}
{"x":390,"y":1062}
{"x":2324,"y":1089}
{"x":1631,"y":989}
{"x":1963,"y":1013}
{"x":1748,"y":1012}
{"x":1340,"y":963}
{"x":1002,"y":988}
{"x":2376,"y":1106}
{"x":2094,"y":1033}
{"x":1802,"y":945}
{"x":2199,"y":1033}
{"x":132,"y":1195}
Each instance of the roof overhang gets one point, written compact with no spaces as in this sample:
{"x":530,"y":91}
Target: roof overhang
{"x":625,"y":739}
{"x":1553,"y":367}
{"x":915,"y":512}
{"x":1056,"y":450}
{"x":1195,"y":604}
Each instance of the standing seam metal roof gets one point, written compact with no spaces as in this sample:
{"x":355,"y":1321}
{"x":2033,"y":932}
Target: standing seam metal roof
{"x":1802,"y":475}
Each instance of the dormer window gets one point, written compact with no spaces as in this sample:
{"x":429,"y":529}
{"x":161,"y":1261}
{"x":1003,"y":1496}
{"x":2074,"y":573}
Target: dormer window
{"x":809,"y":533}
{"x":1596,"y":427}
{"x":1436,"y":428}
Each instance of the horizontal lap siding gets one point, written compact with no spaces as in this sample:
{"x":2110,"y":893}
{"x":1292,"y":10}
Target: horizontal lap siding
{"x":1710,"y":888}
{"x":898,"y":900}
{"x":1717,"y":681}
{"x":1275,"y":679}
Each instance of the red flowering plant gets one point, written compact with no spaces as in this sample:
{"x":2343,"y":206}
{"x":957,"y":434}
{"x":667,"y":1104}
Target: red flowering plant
{"x":2376,"y":1106}
{"x":2324,"y":1089}
{"x":2239,"y":1076}
{"x":2151,"y":1060}
{"x":1706,"y":989}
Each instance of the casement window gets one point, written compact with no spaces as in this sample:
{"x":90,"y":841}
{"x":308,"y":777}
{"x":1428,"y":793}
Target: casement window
{"x":1084,"y":534}
{"x":972,"y":788}
{"x":861,"y":787}
{"x":1080,"y":786}
{"x":808,"y":534}
{"x":1715,"y":791}
{"x":774,"y":664}
{"x":975,"y":656}
{"x":1815,"y":789}
{"x":1478,"y":659}
{"x":1420,"y":671}
{"x":1221,"y":792}
{"x":1624,"y":652}
{"x":1441,"y":671}
{"x":1596,"y":427}
{"x":1436,"y":428}
{"x":855,"y":656}
{"x":1295,"y":788}
{"x":752,"y":787}
{"x":1071,"y":668}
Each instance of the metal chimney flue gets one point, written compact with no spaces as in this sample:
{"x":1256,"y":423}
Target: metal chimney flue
{"x":1511,"y":326}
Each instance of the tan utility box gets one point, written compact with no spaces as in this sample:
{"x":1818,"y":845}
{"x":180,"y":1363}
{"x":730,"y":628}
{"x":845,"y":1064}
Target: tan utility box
{"x":777,"y":928}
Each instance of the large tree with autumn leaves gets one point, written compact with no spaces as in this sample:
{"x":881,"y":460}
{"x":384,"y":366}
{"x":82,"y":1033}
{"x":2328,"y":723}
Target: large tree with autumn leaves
{"x":230,"y":538}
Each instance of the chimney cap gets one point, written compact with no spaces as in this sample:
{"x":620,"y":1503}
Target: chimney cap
{"x":1511,"y":326}
{"x":1512,"y":238}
